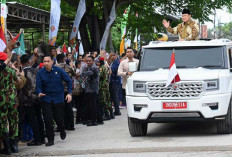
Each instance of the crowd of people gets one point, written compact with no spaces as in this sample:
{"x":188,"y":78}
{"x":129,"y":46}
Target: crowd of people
{"x":41,"y":91}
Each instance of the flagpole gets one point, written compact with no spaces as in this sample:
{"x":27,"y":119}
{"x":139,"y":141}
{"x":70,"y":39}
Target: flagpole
{"x":174,"y":56}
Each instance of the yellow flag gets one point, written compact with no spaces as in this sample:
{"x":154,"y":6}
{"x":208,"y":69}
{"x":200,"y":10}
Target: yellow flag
{"x":122,"y":46}
{"x":2,"y":23}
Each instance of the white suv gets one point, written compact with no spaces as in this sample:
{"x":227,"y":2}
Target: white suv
{"x":204,"y":92}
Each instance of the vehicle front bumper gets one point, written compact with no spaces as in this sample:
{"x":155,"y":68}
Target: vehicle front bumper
{"x":194,"y":106}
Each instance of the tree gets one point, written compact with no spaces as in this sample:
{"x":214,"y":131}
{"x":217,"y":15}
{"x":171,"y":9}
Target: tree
{"x":222,"y":31}
{"x":151,"y":13}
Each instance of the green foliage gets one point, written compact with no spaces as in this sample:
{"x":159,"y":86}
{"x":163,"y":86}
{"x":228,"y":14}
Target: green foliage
{"x":222,"y":31}
{"x":151,"y":13}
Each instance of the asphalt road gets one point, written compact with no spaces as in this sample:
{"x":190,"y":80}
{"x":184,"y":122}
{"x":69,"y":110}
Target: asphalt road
{"x":113,"y":140}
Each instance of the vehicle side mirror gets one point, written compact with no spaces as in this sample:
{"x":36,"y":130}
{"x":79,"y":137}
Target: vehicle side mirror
{"x":133,"y":66}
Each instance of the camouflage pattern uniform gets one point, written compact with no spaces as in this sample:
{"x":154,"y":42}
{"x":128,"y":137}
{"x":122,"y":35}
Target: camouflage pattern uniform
{"x":104,"y":94}
{"x":68,"y":112}
{"x":8,"y":106}
{"x":186,"y":30}
{"x":68,"y":70}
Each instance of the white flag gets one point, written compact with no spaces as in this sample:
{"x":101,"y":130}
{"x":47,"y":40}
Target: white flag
{"x":81,"y":49}
{"x":111,"y":19}
{"x":4,"y":11}
{"x":127,"y":43}
{"x":80,"y":13}
{"x":54,"y":21}
{"x":136,"y":39}
{"x":138,"y":43}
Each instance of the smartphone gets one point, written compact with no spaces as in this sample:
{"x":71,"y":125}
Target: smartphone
{"x":20,"y":69}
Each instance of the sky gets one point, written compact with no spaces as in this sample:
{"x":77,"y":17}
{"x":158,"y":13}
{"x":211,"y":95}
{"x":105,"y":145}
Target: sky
{"x":221,"y":15}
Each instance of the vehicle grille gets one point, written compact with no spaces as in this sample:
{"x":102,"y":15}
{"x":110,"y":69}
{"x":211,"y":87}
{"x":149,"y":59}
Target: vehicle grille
{"x":181,"y":90}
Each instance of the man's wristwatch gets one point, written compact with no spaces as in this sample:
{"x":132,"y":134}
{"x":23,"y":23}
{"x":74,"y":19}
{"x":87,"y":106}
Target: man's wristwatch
{"x":126,"y":73}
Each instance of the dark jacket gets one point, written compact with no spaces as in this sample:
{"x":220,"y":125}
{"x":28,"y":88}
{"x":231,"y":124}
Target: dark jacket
{"x":92,"y":79}
{"x":29,"y":93}
{"x":51,"y":84}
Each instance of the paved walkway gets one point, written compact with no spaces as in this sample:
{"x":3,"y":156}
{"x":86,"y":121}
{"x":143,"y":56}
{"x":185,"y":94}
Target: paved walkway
{"x":113,"y":137}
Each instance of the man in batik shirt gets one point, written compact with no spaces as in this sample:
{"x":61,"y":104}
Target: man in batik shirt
{"x":187,"y":30}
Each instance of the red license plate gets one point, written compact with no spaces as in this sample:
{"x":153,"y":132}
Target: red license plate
{"x":174,"y":105}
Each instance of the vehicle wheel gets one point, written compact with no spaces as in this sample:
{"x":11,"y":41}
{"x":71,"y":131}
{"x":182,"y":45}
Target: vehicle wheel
{"x":224,"y":126}
{"x":137,"y":128}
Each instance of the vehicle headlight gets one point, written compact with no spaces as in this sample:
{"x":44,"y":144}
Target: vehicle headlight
{"x":139,"y":86}
{"x":212,"y":85}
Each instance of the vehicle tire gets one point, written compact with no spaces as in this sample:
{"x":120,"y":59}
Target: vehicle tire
{"x":224,"y":126}
{"x":137,"y":128}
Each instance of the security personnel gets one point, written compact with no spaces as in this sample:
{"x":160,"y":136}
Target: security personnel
{"x":50,"y":89}
{"x":8,"y":103}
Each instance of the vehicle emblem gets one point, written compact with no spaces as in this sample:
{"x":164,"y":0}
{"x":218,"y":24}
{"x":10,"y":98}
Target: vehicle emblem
{"x":174,"y":86}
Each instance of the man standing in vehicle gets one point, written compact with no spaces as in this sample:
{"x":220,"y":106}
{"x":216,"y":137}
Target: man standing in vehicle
{"x":187,"y":30}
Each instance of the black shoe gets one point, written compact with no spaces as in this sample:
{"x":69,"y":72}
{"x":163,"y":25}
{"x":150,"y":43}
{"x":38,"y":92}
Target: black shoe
{"x":6,"y":149}
{"x":62,"y":135}
{"x":78,"y":122}
{"x":14,"y":145}
{"x":117,"y":113}
{"x":43,"y":141}
{"x":107,"y":116}
{"x":33,"y":143}
{"x":111,"y":114}
{"x":100,"y":122}
{"x":57,"y":129}
{"x":92,"y":124}
{"x":84,"y":122}
{"x":49,"y":143}
{"x":71,"y":129}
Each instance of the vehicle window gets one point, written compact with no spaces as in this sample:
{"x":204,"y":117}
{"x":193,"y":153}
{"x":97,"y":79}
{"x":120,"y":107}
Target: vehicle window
{"x":230,"y":55}
{"x":188,"y":57}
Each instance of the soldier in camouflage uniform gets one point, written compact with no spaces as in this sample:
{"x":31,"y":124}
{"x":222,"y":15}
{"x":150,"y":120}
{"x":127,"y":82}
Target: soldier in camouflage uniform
{"x":187,"y":30}
{"x":68,"y":114}
{"x":8,"y":105}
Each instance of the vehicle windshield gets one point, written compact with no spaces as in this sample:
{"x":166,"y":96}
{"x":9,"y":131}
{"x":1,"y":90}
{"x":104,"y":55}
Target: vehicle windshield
{"x":186,"y":57}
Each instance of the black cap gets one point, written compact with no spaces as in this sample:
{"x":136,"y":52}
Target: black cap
{"x":24,"y":58}
{"x":186,"y":11}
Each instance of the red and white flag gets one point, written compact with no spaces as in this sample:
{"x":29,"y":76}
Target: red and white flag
{"x":2,"y":40}
{"x":65,"y":48}
{"x":173,"y":75}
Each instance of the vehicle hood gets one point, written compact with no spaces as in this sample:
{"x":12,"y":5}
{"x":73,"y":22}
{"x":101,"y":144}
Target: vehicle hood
{"x":193,"y":74}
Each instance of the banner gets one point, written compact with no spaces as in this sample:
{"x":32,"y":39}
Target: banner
{"x":125,"y":42}
{"x":204,"y":33}
{"x":138,"y":43}
{"x":80,"y":13}
{"x":124,"y":20}
{"x":54,"y":21}
{"x":136,"y":35}
{"x":81,"y":48}
{"x":136,"y":39}
{"x":121,"y":51}
{"x":21,"y":49}
{"x":4,"y":12}
{"x":2,"y":40}
{"x":111,"y":19}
